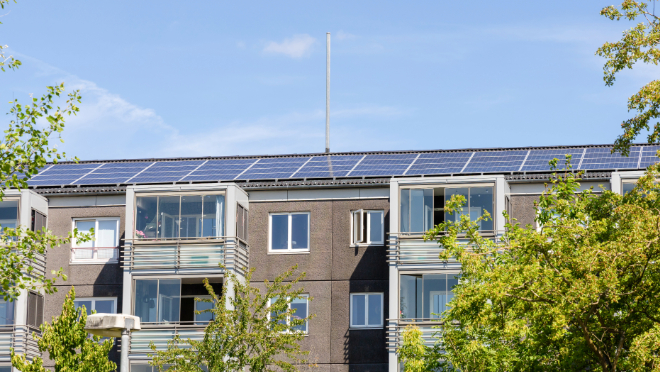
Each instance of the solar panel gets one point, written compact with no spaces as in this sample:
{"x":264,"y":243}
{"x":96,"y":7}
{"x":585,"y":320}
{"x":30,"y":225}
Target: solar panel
{"x":225,"y":169}
{"x":327,"y":166}
{"x":648,"y":156}
{"x":603,"y":158}
{"x":495,"y":161}
{"x":274,"y":168}
{"x":383,"y":165}
{"x":439,"y":163}
{"x":538,"y":160}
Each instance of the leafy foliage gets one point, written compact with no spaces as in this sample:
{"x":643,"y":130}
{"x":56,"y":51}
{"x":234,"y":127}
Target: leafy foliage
{"x":638,"y":44}
{"x":581,"y":293}
{"x":247,"y":330}
{"x":24,"y":150}
{"x":415,"y":355}
{"x":68,"y":344}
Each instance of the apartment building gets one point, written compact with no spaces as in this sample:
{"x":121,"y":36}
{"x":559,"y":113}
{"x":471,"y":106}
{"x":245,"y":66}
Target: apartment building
{"x":353,"y":222}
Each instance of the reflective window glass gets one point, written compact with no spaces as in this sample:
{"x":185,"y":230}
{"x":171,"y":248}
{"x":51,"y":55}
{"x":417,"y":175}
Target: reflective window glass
{"x":279,"y":231}
{"x":627,"y":187}
{"x":6,"y":312}
{"x":169,"y":296}
{"x":168,"y":216}
{"x":359,"y":310}
{"x":191,"y":216}
{"x":300,"y":231}
{"x":146,"y":222}
{"x":146,"y":292}
{"x":8,"y":214}
{"x":299,"y":306}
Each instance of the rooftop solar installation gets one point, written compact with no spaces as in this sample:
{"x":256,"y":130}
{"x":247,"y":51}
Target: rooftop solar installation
{"x":351,"y":165}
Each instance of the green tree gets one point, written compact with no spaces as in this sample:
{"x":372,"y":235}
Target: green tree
{"x":415,"y":355}
{"x":250,"y":327}
{"x":638,"y":44}
{"x":581,"y":293}
{"x":24,"y":150}
{"x":68,"y":344}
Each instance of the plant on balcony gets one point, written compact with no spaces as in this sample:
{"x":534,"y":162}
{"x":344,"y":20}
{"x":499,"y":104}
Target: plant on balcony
{"x":579,"y":293}
{"x":253,"y":327}
{"x":24,"y":151}
{"x":68,"y":344}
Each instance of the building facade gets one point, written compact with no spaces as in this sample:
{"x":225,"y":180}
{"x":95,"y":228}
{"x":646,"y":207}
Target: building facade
{"x":353,"y":222}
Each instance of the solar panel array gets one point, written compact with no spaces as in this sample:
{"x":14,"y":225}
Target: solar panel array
{"x":331,"y":166}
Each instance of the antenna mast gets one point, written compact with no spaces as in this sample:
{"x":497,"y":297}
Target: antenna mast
{"x":327,"y":93}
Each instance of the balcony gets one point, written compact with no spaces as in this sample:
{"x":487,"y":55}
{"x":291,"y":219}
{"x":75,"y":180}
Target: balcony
{"x":396,"y":327}
{"x":20,"y":338}
{"x":147,"y":254}
{"x":160,"y":335}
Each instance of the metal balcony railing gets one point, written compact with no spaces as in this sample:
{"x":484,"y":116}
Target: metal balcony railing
{"x":20,"y":338}
{"x":404,"y":249}
{"x":395,"y":328}
{"x":146,"y":254}
{"x":161,"y":334}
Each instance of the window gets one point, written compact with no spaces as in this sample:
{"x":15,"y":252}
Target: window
{"x":627,"y":186}
{"x":289,"y":232}
{"x":6,"y":312}
{"x":103,"y":245}
{"x":366,"y":310}
{"x":38,"y":221}
{"x":179,"y":217}
{"x":157,"y":300}
{"x":241,"y":222}
{"x":300,"y":307}
{"x":425,"y":296}
{"x":8,"y":214}
{"x":421,"y":209}
{"x":103,"y":305}
{"x":368,"y":227}
{"x":189,"y":305}
{"x":35,"y":311}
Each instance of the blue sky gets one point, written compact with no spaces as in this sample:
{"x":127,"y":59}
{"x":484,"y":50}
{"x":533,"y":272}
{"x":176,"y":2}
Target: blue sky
{"x":208,"y":78}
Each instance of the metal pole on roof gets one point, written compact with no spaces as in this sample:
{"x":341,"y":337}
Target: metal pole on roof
{"x":327,"y":93}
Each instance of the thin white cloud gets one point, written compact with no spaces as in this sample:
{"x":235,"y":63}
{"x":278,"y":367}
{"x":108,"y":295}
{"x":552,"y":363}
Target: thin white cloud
{"x":342,"y":35}
{"x":296,"y":47}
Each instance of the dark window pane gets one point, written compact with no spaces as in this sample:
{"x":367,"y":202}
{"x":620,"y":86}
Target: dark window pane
{"x":168,"y":216}
{"x":405,"y":210}
{"x":9,"y":214}
{"x":145,"y":217}
{"x":375,"y":309}
{"x":169,"y":295}
{"x":105,"y":306}
{"x":300,"y":231}
{"x":299,"y":307}
{"x":359,"y":304}
{"x":6,"y":312}
{"x":457,"y":214}
{"x":86,"y":304}
{"x":191,"y":216}
{"x":481,"y":198}
{"x":627,"y":187}
{"x":145,"y":300}
{"x":279,"y":231}
{"x":435,"y":295}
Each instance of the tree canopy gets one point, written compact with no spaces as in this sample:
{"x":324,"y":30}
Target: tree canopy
{"x":580,"y":292}
{"x":68,"y":344}
{"x":639,"y":44}
{"x":252,"y":327}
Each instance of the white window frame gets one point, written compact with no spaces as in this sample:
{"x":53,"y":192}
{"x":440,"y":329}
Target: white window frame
{"x":364,"y":240}
{"x":366,"y":310}
{"x":288,"y":319}
{"x":94,"y":299}
{"x":95,"y":259}
{"x":289,"y":249}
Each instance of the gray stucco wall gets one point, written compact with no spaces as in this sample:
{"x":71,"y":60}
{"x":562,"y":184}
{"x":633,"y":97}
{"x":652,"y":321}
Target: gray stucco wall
{"x":522,"y":209}
{"x":104,"y":280}
{"x":334,"y":270}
